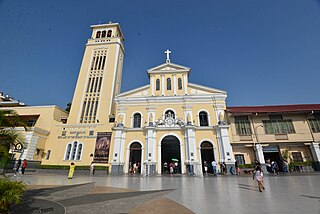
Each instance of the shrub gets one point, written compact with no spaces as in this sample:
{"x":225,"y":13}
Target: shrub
{"x":244,"y":166}
{"x":77,"y":167}
{"x":10,"y":193}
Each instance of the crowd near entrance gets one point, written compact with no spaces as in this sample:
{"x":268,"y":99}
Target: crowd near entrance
{"x":207,"y":156}
{"x":135,"y":158}
{"x":170,"y":155}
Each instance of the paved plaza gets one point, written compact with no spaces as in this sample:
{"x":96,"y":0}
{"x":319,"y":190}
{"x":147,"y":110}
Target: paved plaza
{"x":170,"y":194}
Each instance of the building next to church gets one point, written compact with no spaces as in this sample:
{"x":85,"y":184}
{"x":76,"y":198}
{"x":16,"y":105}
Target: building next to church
{"x":276,"y":133}
{"x":168,"y":121}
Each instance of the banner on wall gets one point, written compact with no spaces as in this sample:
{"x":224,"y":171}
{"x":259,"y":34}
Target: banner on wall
{"x":101,"y":152}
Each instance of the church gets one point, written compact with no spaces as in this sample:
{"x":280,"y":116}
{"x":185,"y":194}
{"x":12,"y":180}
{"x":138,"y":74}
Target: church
{"x":169,"y":121}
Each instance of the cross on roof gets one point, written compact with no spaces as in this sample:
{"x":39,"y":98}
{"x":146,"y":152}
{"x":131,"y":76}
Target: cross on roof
{"x":168,"y":52}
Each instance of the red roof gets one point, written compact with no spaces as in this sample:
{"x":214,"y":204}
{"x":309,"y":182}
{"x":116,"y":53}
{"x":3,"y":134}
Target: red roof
{"x":274,"y":109}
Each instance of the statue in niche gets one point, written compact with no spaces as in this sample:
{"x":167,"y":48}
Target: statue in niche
{"x":120,"y":120}
{"x":151,"y":119}
{"x":188,"y":119}
{"x":221,"y":119}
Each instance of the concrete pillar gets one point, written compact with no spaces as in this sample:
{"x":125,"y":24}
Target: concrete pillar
{"x":117,"y":159}
{"x":225,"y":149}
{"x":315,"y":150}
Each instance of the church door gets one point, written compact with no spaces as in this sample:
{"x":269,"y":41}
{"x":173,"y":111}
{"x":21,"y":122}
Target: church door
{"x":170,"y":155}
{"x":207,"y":156}
{"x":135,"y":158}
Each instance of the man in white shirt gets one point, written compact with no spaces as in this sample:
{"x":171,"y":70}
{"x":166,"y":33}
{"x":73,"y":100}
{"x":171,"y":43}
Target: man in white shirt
{"x":214,"y":166}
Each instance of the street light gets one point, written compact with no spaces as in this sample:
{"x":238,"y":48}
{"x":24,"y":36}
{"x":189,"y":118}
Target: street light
{"x":256,"y":135}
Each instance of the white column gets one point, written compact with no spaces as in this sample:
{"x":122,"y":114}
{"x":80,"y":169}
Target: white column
{"x":159,"y":159}
{"x":225,"y":149}
{"x":315,"y":150}
{"x":259,"y":153}
{"x":182,"y":158}
{"x":174,"y":84}
{"x":152,"y":85}
{"x":185,"y":84}
{"x":162,"y":85}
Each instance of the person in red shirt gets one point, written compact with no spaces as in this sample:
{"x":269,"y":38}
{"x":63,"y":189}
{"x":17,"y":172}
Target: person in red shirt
{"x":24,"y":165}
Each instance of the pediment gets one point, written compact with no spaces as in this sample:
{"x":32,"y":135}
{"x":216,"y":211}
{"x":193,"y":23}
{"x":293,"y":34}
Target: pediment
{"x":196,"y":89}
{"x":168,"y":68}
{"x":138,"y":92}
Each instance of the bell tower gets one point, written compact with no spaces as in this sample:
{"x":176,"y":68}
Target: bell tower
{"x":99,"y":79}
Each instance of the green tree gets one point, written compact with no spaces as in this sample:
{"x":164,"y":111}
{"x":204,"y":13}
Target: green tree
{"x":9,"y":137}
{"x":10,"y":193}
{"x":68,"y":107}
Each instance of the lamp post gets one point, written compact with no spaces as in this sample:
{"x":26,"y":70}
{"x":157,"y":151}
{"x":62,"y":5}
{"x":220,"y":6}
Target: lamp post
{"x":256,"y":135}
{"x":258,"y":151}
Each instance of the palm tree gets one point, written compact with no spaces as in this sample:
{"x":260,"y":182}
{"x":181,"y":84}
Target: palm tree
{"x":9,"y":137}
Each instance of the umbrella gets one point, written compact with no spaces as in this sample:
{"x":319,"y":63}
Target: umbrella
{"x":175,"y":159}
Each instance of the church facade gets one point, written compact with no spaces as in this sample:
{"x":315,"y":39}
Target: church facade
{"x":168,"y":121}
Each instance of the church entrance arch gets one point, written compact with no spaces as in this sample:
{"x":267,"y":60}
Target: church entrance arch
{"x":207,"y":156}
{"x":135,"y":158}
{"x":170,"y":155}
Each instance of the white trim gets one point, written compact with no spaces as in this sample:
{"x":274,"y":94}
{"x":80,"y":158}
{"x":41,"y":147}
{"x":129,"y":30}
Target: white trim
{"x":175,"y":67}
{"x":212,"y":90}
{"x":162,"y":85}
{"x":174,"y":84}
{"x":185,"y":84}
{"x":114,"y":78}
{"x":133,"y":91}
{"x":152,"y":85}
{"x":208,"y":117}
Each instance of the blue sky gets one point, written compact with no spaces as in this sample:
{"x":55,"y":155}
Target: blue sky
{"x":260,"y":52}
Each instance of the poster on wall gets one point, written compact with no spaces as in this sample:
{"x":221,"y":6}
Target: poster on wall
{"x":101,"y":151}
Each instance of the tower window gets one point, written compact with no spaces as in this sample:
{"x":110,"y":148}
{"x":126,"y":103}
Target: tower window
{"x":136,"y":120}
{"x":179,"y":84}
{"x":157,"y":85}
{"x":98,"y":34}
{"x":103,"y":35}
{"x":109,"y":33}
{"x":168,"y":84}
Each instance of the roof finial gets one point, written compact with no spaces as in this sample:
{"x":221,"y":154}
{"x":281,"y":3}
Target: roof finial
{"x":110,"y":22}
{"x":168,"y":52}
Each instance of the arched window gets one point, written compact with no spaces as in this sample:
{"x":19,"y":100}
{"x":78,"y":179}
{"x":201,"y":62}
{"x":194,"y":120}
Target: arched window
{"x":168,"y":84}
{"x":203,"y":118}
{"x":79,"y":152}
{"x":103,"y":35}
{"x":136,"y":120}
{"x":74,"y":149}
{"x":68,"y":151}
{"x":157,"y":85}
{"x":169,"y":114}
{"x":109,"y":33}
{"x":98,"y":34}
{"x":179,"y":84}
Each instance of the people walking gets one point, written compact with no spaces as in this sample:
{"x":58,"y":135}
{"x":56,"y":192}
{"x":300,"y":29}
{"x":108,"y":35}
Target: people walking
{"x":91,"y":169}
{"x":258,"y":175}
{"x":24,"y":166}
{"x":224,"y":168}
{"x":71,"y":170}
{"x":18,"y":166}
{"x":214,"y":167}
{"x":205,"y":164}
{"x":274,"y":167}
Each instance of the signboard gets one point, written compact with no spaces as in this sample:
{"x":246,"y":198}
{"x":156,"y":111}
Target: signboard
{"x":101,"y":152}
